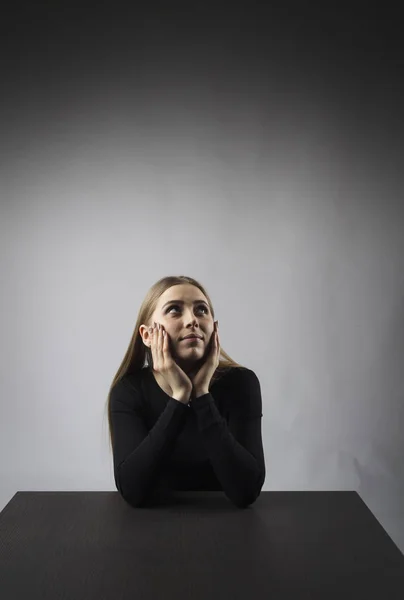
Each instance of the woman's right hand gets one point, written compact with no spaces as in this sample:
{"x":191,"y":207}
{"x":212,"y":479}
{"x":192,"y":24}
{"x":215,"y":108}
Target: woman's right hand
{"x":164,"y":364}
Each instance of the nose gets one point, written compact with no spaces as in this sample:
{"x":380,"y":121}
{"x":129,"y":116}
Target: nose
{"x":190,"y":318}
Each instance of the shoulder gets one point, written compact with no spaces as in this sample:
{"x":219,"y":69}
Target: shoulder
{"x":243,"y":389}
{"x":239,"y":376}
{"x":128,"y":389}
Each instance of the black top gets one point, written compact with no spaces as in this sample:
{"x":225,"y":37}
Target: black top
{"x":214,"y":443}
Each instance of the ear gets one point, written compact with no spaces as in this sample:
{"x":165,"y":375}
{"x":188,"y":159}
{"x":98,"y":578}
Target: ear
{"x":144,"y":332}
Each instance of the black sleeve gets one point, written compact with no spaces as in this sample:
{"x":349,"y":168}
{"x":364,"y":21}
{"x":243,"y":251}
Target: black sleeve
{"x":235,"y":450}
{"x":139,"y":454}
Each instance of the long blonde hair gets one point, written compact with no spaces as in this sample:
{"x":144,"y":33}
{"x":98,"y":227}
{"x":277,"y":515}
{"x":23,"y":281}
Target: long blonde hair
{"x":138,"y":354}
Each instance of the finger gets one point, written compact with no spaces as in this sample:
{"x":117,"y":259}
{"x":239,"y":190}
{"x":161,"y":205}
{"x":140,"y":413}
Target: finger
{"x":162,"y":345}
{"x":152,"y":344}
{"x":159,"y":342}
{"x":154,"y":340}
{"x":156,"y":347}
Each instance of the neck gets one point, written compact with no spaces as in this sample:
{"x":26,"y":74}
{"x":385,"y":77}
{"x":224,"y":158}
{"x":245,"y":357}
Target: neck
{"x":190,"y":369}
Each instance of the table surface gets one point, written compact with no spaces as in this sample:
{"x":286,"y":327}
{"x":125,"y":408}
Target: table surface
{"x":94,"y":545}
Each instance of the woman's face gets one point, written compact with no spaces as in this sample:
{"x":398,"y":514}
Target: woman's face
{"x":182,"y":310}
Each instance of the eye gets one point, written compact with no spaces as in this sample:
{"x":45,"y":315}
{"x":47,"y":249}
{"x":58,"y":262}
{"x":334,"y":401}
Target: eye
{"x":176,"y":306}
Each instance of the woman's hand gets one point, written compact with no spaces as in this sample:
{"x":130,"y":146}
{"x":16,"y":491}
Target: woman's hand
{"x":201,"y":379}
{"x":164,"y":364}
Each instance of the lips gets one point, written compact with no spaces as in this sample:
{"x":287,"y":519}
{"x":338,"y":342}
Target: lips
{"x":192,"y":336}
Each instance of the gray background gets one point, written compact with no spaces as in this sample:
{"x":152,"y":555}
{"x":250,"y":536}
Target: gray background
{"x":256,"y":150}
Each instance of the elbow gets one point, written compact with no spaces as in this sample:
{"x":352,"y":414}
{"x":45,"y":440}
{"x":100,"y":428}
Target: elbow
{"x":141,"y":497}
{"x":131,"y":496}
{"x":135,"y":500}
{"x":250,"y":496}
{"x":246,"y":501}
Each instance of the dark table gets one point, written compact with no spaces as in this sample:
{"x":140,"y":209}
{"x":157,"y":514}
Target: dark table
{"x":196,"y":546}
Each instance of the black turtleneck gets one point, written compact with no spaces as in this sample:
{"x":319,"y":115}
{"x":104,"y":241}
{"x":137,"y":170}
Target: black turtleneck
{"x":215,"y":443}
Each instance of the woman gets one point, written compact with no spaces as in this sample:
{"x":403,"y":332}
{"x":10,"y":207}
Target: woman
{"x":185,"y":420}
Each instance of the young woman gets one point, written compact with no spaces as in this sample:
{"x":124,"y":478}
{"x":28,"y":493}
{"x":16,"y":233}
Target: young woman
{"x":180,"y":417}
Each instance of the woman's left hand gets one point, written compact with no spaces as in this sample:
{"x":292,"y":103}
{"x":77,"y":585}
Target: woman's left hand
{"x":201,"y":379}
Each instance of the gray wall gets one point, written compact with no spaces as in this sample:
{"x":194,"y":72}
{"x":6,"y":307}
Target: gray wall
{"x":279,"y":140}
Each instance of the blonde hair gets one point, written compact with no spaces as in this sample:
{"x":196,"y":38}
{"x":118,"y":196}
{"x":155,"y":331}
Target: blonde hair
{"x":138,"y":354}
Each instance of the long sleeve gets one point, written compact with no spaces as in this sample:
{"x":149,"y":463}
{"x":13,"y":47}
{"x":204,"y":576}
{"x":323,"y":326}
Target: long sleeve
{"x":235,"y":449}
{"x":139,"y":455}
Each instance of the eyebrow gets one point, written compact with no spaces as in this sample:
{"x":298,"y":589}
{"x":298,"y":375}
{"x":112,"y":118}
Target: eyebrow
{"x":182,"y":302}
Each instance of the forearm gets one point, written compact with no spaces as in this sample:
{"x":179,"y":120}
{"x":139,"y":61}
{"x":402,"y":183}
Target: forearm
{"x":138,"y":473}
{"x":240,"y":472}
